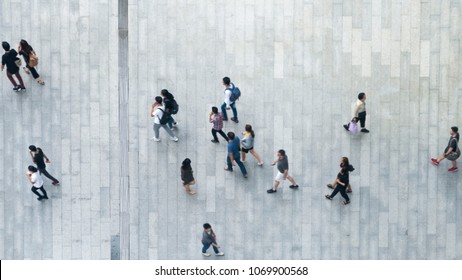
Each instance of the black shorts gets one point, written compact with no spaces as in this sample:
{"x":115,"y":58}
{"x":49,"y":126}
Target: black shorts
{"x":244,"y":150}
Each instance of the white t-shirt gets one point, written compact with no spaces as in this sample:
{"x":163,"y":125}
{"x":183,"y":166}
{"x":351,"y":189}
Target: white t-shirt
{"x":158,"y":113}
{"x":228,"y":92}
{"x":37,"y":180}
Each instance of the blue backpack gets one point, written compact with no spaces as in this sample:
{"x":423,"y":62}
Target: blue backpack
{"x":235,"y":93}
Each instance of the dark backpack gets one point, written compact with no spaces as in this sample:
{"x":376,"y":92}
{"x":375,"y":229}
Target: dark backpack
{"x":165,"y":117}
{"x":172,"y":106}
{"x":235,"y":93}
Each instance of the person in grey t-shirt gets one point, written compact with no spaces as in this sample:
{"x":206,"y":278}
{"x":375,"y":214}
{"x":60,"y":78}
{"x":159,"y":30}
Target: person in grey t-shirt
{"x":283,"y":171}
{"x":209,"y":239}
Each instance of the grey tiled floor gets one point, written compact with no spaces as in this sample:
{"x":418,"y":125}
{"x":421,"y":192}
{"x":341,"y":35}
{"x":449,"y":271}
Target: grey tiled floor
{"x":299,"y":64}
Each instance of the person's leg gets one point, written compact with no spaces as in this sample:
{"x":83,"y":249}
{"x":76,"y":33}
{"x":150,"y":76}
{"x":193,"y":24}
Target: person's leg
{"x":334,"y":193}
{"x":44,"y":192}
{"x":48,"y":175}
{"x":169,"y":131}
{"x":344,"y":194}
{"x":223,"y":111}
{"x":156,"y":128}
{"x":34,"y":72}
{"x":241,"y":165}
{"x":205,"y":247}
{"x":18,"y":76}
{"x":223,"y":135}
{"x":215,"y":249}
{"x":256,"y":155}
{"x":454,"y":163}
{"x":442,"y":156}
{"x":233,"y":108}
{"x":243,"y":156}
{"x":34,"y":190}
{"x":276,"y":185}
{"x":10,"y":77}
{"x":362,"y":120}
{"x":228,"y":161}
{"x":214,"y":134}
{"x":291,"y":179}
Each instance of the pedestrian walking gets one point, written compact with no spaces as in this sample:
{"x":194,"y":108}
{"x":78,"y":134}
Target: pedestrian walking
{"x":360,"y":112}
{"x":209,"y":239}
{"x":39,"y":158}
{"x":342,"y":182}
{"x":247,"y":144}
{"x":452,"y":151}
{"x":282,"y":162}
{"x":157,"y":103}
{"x":37,"y":182}
{"x":171,"y":107}
{"x":187,"y":176}
{"x":234,"y":147}
{"x":217,"y":125}
{"x":343,"y":162}
{"x":11,"y":60}
{"x":31,"y":59}
{"x":161,"y":118}
{"x":232,"y":94}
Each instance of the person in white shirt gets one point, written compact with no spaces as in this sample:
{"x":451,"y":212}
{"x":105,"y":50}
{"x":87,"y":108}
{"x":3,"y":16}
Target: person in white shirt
{"x":37,"y":182}
{"x":360,"y":112}
{"x":157,"y":113}
{"x":228,"y":104}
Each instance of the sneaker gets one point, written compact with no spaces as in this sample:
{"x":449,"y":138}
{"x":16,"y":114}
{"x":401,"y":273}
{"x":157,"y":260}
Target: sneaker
{"x":214,"y":141}
{"x":46,"y":197}
{"x":330,"y":186}
{"x":453,"y":169}
{"x":235,"y":120}
{"x":21,"y":88}
{"x":346,"y":127}
{"x":206,"y":254}
{"x":174,"y":139}
{"x":435,"y":161}
{"x":328,"y":197}
{"x":364,"y":130}
{"x":225,"y":119}
{"x":175,"y":124}
{"x":55,"y":183}
{"x":156,"y":139}
{"x":243,"y":161}
{"x":17,"y":88}
{"x":260,"y":163}
{"x":39,"y":198}
{"x":346,"y":202}
{"x":271,"y":191}
{"x":226,"y":169}
{"x":293,"y":187}
{"x":220,"y":254}
{"x":245,"y":176}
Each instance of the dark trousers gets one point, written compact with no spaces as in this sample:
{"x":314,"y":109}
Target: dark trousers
{"x":342,"y":190}
{"x":362,"y":119}
{"x":34,"y":72}
{"x":13,"y":81}
{"x":214,"y":133}
{"x":207,"y":246}
{"x":237,"y":159}
{"x":48,"y":175}
{"x":35,"y":190}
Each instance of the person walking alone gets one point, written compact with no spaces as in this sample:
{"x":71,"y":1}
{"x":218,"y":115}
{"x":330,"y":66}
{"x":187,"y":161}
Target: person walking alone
{"x":31,"y":59}
{"x":37,"y":182}
{"x":9,"y":59}
{"x":209,"y":239}
{"x":230,"y":100}
{"x":283,"y":172}
{"x":360,"y":112}
{"x":452,"y":151}
{"x":234,"y":148}
{"x":342,"y":182}
{"x":161,"y":119}
{"x":247,"y":144}
{"x":187,"y":176}
{"x":39,"y":157}
{"x":217,"y":120}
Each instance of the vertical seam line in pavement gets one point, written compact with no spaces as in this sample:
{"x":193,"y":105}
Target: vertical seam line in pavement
{"x":124,"y":201}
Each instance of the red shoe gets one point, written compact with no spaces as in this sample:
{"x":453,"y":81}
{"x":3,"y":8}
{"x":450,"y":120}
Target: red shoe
{"x":435,"y":161}
{"x":453,"y":169}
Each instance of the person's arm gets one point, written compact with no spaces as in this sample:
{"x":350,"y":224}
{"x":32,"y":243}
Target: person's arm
{"x":449,"y":151}
{"x":357,"y":111}
{"x":340,"y":182}
{"x":231,"y":158}
{"x":32,"y":156}
{"x":3,"y":66}
{"x":210,"y":117}
{"x":29,"y":176}
{"x":274,"y":162}
{"x":227,"y":96}
{"x":47,"y":160}
{"x":152,"y":109}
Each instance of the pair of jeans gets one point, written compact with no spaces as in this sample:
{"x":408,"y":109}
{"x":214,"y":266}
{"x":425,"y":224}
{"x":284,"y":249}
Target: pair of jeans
{"x":13,"y":81}
{"x":205,"y":247}
{"x":171,"y":121}
{"x":362,"y":119}
{"x":233,"y":108}
{"x":35,"y":190}
{"x":342,"y":190}
{"x":237,"y":159}
{"x":164,"y":126}
{"x":48,"y":175}
{"x":214,"y":133}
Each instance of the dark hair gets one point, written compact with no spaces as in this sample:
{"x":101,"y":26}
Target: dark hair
{"x":6,"y":46}
{"x":231,"y":135}
{"x":361,"y":95}
{"x":32,"y":168}
{"x":166,"y":94}
{"x":207,"y":226}
{"x":159,"y":99}
{"x":32,"y":148}
{"x":226,"y":81}
{"x":215,"y":110}
{"x":282,"y":152}
{"x":248,"y":128}
{"x":186,"y":164}
{"x":25,"y":47}
{"x":455,"y":129}
{"x":345,"y":162}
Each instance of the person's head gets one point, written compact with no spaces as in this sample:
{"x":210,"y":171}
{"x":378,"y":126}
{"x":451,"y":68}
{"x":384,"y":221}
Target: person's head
{"x":281,"y":154}
{"x":231,"y":135}
{"x":24,"y":45}
{"x":166,"y":94}
{"x":226,"y":81}
{"x":362,"y":96}
{"x":32,"y":169}
{"x":214,"y":110}
{"x":32,"y":148}
{"x":454,"y":132}
{"x":159,"y":99}
{"x":344,"y":162}
{"x":207,"y":227}
{"x":6,"y":46}
{"x":248,"y":128}
{"x":186,"y":163}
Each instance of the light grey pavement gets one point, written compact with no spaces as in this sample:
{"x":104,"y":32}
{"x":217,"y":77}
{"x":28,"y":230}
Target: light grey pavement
{"x":300,"y":65}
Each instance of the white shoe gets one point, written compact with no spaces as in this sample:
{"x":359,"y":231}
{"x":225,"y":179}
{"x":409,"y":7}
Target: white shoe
{"x":243,"y":161}
{"x":174,"y":139}
{"x":260,"y":163}
{"x":174,"y":124}
{"x":156,"y":139}
{"x":206,"y":254}
{"x":220,"y":254}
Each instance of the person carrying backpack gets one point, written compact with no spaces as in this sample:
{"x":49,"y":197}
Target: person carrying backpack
{"x":232,"y":93}
{"x":171,"y":107}
{"x":161,"y":118}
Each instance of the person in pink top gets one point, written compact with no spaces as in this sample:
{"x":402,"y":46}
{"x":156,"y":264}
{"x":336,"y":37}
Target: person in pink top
{"x":217,"y":120}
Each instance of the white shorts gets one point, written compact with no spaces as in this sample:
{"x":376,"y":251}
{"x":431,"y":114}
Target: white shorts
{"x":280,"y":177}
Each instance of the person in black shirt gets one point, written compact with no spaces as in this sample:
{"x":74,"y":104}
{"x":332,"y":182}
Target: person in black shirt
{"x":342,"y":182}
{"x":343,"y":162}
{"x":452,"y":151}
{"x":169,"y":101}
{"x":9,"y":60}
{"x":187,"y":176}
{"x":27,"y":51}
{"x":38,"y":158}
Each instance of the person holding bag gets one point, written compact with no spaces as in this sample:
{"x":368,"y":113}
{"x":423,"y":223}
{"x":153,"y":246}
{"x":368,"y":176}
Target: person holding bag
{"x":12,"y":62}
{"x":360,"y":113}
{"x":31,"y":59}
{"x":452,"y":151}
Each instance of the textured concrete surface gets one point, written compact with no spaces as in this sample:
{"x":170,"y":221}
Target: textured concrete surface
{"x":299,"y":64}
